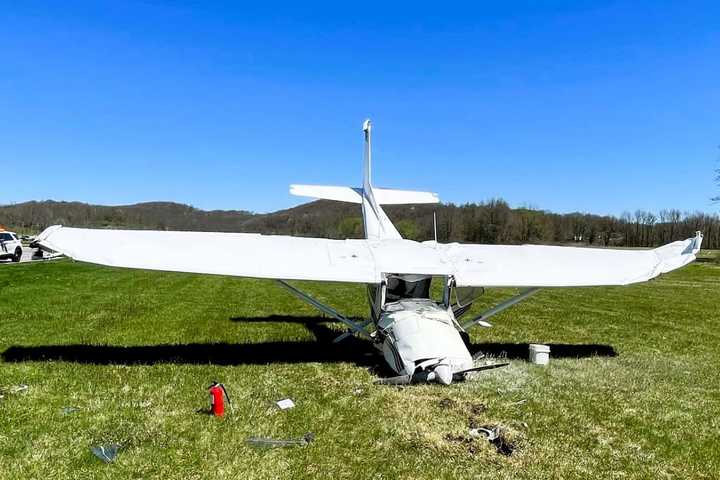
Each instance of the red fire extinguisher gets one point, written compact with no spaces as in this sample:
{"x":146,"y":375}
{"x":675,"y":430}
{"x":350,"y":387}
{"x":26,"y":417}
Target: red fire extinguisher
{"x":218,"y":394}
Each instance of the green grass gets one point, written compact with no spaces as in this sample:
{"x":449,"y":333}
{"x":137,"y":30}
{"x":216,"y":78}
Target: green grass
{"x":651,"y":411}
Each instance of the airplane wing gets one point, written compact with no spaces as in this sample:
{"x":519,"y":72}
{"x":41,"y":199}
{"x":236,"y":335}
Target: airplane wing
{"x":235,"y":254}
{"x":365,"y":261}
{"x":548,"y":266}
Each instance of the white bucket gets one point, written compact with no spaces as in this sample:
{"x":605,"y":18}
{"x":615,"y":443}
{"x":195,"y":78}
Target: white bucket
{"x":539,"y":354}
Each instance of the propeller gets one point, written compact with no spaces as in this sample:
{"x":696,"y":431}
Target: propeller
{"x":462,"y":373}
{"x":434,"y":376}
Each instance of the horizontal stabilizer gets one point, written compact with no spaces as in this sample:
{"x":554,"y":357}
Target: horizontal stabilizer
{"x":387,"y":196}
{"x":383,"y":196}
{"x":340,"y":194}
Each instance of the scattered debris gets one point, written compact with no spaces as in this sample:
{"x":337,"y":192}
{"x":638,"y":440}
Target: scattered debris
{"x":520,"y":402}
{"x":13,"y":390}
{"x":496,"y":435}
{"x":477,"y":408}
{"x":69,"y":410}
{"x":479,"y":431}
{"x":285,"y":404}
{"x":106,"y":453}
{"x":479,"y":355}
{"x":20,"y":388}
{"x":447,"y":402}
{"x":493,"y":433}
{"x":263,"y":442}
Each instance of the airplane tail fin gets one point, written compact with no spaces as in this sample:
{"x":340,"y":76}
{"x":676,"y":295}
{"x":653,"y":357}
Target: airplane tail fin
{"x":377,"y":223}
{"x":367,"y":156}
{"x":381,"y":196}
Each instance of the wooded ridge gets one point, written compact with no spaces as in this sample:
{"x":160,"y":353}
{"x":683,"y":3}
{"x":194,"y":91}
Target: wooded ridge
{"x":489,"y":222}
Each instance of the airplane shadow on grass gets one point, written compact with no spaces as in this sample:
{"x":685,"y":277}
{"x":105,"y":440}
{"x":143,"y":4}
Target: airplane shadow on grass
{"x":352,"y":349}
{"x":282,"y":351}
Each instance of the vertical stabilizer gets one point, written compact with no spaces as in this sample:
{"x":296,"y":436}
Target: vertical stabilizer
{"x":367,"y":155}
{"x":377,"y":223}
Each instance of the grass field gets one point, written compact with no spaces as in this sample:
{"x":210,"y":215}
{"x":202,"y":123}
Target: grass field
{"x":632,"y":391}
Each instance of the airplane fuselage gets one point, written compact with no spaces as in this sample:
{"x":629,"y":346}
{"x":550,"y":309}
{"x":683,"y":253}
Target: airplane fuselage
{"x":419,"y":339}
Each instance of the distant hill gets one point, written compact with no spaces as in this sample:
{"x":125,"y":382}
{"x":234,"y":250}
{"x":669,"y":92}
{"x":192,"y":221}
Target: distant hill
{"x":490,"y":222}
{"x":150,"y":215}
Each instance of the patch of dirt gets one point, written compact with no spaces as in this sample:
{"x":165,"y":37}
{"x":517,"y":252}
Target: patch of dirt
{"x":503,"y":446}
{"x":447,"y":403}
{"x":500,"y":440}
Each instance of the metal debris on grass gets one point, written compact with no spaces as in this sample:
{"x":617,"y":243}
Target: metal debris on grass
{"x":285,"y":404}
{"x":264,"y":442}
{"x":69,"y":410}
{"x":492,"y":433}
{"x":495,"y":435}
{"x":477,"y":408}
{"x":13,"y":390}
{"x":106,"y":453}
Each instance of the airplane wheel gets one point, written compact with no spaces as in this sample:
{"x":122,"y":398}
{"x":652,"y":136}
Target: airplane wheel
{"x":17,"y":256}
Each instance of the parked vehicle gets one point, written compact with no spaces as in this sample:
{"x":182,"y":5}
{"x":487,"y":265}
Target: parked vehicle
{"x":10,"y":246}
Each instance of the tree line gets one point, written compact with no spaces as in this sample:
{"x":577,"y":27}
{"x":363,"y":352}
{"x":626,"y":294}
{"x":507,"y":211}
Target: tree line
{"x":489,"y":222}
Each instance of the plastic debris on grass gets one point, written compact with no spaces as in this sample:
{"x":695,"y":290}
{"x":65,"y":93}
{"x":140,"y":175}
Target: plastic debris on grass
{"x":264,"y":442}
{"x":106,"y":453}
{"x":494,"y":434}
{"x":14,"y":390}
{"x":285,"y":404}
{"x":69,"y":410}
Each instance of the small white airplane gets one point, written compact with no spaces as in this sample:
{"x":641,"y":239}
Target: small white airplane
{"x":419,"y":337}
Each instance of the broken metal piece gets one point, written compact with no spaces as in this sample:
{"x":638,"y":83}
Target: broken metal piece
{"x":490,"y":434}
{"x":264,"y":442}
{"x":106,"y":453}
{"x":285,"y":404}
{"x":19,"y":388}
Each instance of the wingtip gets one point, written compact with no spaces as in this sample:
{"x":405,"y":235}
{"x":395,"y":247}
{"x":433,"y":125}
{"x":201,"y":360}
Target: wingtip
{"x":47,"y":232}
{"x":698,"y":242}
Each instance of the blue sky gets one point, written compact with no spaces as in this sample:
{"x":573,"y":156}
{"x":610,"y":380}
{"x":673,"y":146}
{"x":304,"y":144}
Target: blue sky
{"x":567,"y":106}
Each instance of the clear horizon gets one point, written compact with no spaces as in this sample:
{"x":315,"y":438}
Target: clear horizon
{"x":596,"y":107}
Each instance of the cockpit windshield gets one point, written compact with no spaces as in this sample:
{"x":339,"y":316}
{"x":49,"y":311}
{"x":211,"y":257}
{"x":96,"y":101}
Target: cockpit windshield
{"x":407,"y":286}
